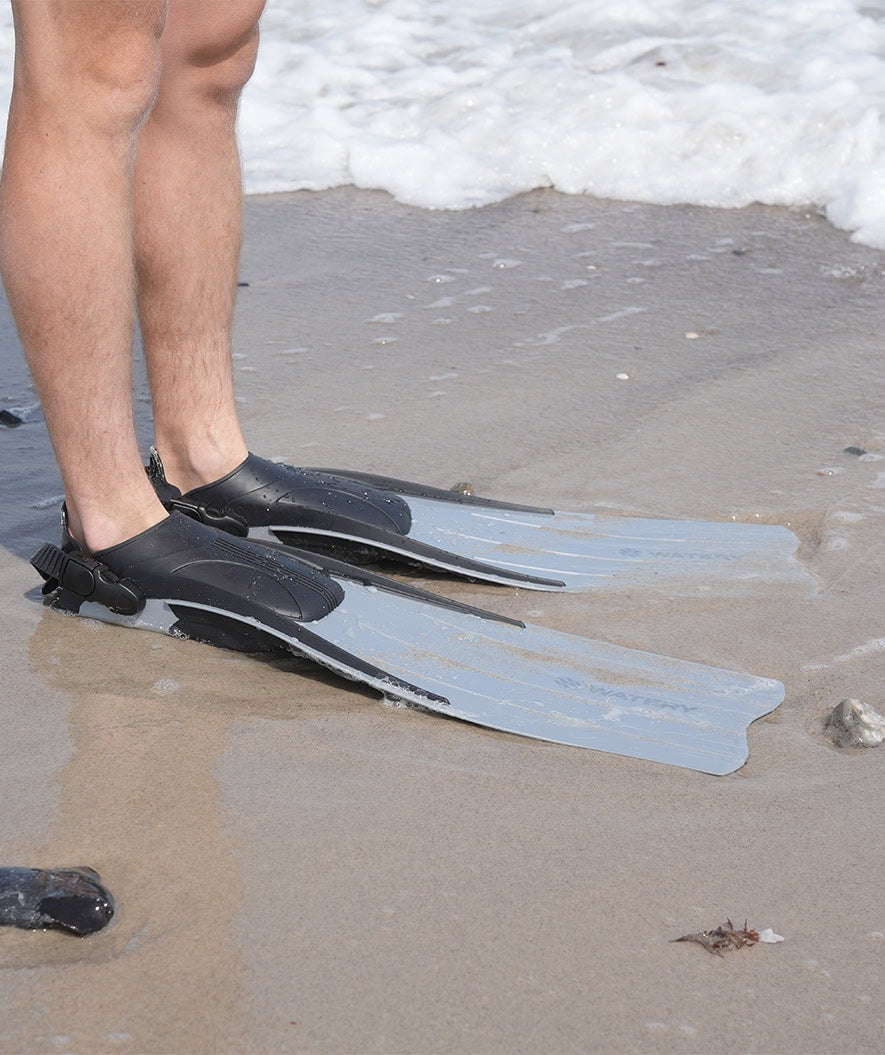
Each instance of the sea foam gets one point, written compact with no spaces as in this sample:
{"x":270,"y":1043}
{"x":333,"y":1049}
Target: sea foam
{"x":451,"y":104}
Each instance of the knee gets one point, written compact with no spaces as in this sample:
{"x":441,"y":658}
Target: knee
{"x":91,"y":64}
{"x":213,"y":59}
{"x":225,"y":79}
{"x":122,"y":84}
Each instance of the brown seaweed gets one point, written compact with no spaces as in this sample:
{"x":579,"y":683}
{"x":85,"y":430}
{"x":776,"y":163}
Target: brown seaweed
{"x":723,"y":938}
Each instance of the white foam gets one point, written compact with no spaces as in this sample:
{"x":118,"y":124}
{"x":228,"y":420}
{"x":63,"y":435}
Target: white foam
{"x":451,"y":104}
{"x":870,"y":647}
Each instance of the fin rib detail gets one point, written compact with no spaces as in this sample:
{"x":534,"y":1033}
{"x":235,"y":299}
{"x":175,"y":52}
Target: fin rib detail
{"x":366,"y":518}
{"x":433,"y":653}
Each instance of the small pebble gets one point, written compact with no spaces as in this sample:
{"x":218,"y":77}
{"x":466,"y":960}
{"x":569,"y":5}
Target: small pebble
{"x":692,"y":336}
{"x":11,"y":421}
{"x":462,"y":488}
{"x":858,"y":451}
{"x":856,"y":724}
{"x":165,"y":686}
{"x":622,"y":377}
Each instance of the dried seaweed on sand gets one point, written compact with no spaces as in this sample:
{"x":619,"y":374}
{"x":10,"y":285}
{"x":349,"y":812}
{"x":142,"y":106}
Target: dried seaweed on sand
{"x":723,"y":939}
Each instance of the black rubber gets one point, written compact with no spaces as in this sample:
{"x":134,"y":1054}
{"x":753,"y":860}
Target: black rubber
{"x":87,"y":578}
{"x":250,"y":596}
{"x":180,"y":559}
{"x":260,"y":492}
{"x":357,"y":517}
{"x":408,"y":487}
{"x":353,"y":573}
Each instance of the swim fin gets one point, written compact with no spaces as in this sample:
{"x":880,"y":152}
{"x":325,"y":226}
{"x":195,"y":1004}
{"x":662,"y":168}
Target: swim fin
{"x":361,"y":516}
{"x":185,"y":578}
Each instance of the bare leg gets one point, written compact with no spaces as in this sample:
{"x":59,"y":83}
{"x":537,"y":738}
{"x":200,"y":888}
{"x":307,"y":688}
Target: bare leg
{"x":85,"y":77}
{"x":188,"y":228}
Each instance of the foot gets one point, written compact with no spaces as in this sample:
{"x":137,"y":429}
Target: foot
{"x":184,"y":578}
{"x":256,"y":493}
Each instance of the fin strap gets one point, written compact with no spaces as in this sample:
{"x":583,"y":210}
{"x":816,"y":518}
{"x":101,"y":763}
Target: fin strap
{"x":227,"y":522}
{"x":88,"y":578}
{"x":172,"y":499}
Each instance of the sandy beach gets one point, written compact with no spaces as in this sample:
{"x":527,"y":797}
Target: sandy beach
{"x":300,"y":868}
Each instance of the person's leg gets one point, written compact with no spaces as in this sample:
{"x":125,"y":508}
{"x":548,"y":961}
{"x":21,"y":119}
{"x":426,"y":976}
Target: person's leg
{"x":188,"y":223}
{"x":85,"y":76}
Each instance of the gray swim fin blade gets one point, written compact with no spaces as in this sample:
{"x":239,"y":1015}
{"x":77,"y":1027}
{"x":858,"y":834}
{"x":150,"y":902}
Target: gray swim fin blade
{"x":548,"y":685}
{"x":360,"y":516}
{"x":187,"y":579}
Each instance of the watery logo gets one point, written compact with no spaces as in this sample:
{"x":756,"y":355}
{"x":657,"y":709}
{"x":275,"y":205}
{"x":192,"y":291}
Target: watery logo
{"x":619,"y":696}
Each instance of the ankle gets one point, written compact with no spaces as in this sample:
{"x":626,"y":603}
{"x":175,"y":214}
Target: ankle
{"x":98,"y":526}
{"x":187,"y":469}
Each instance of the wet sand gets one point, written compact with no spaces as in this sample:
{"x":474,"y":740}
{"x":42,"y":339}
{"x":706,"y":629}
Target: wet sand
{"x":301,"y":868}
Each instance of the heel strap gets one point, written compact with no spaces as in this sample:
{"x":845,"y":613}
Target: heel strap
{"x":88,"y":578}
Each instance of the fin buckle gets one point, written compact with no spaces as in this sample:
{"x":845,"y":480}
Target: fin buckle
{"x":227,"y":522}
{"x":88,"y":578}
